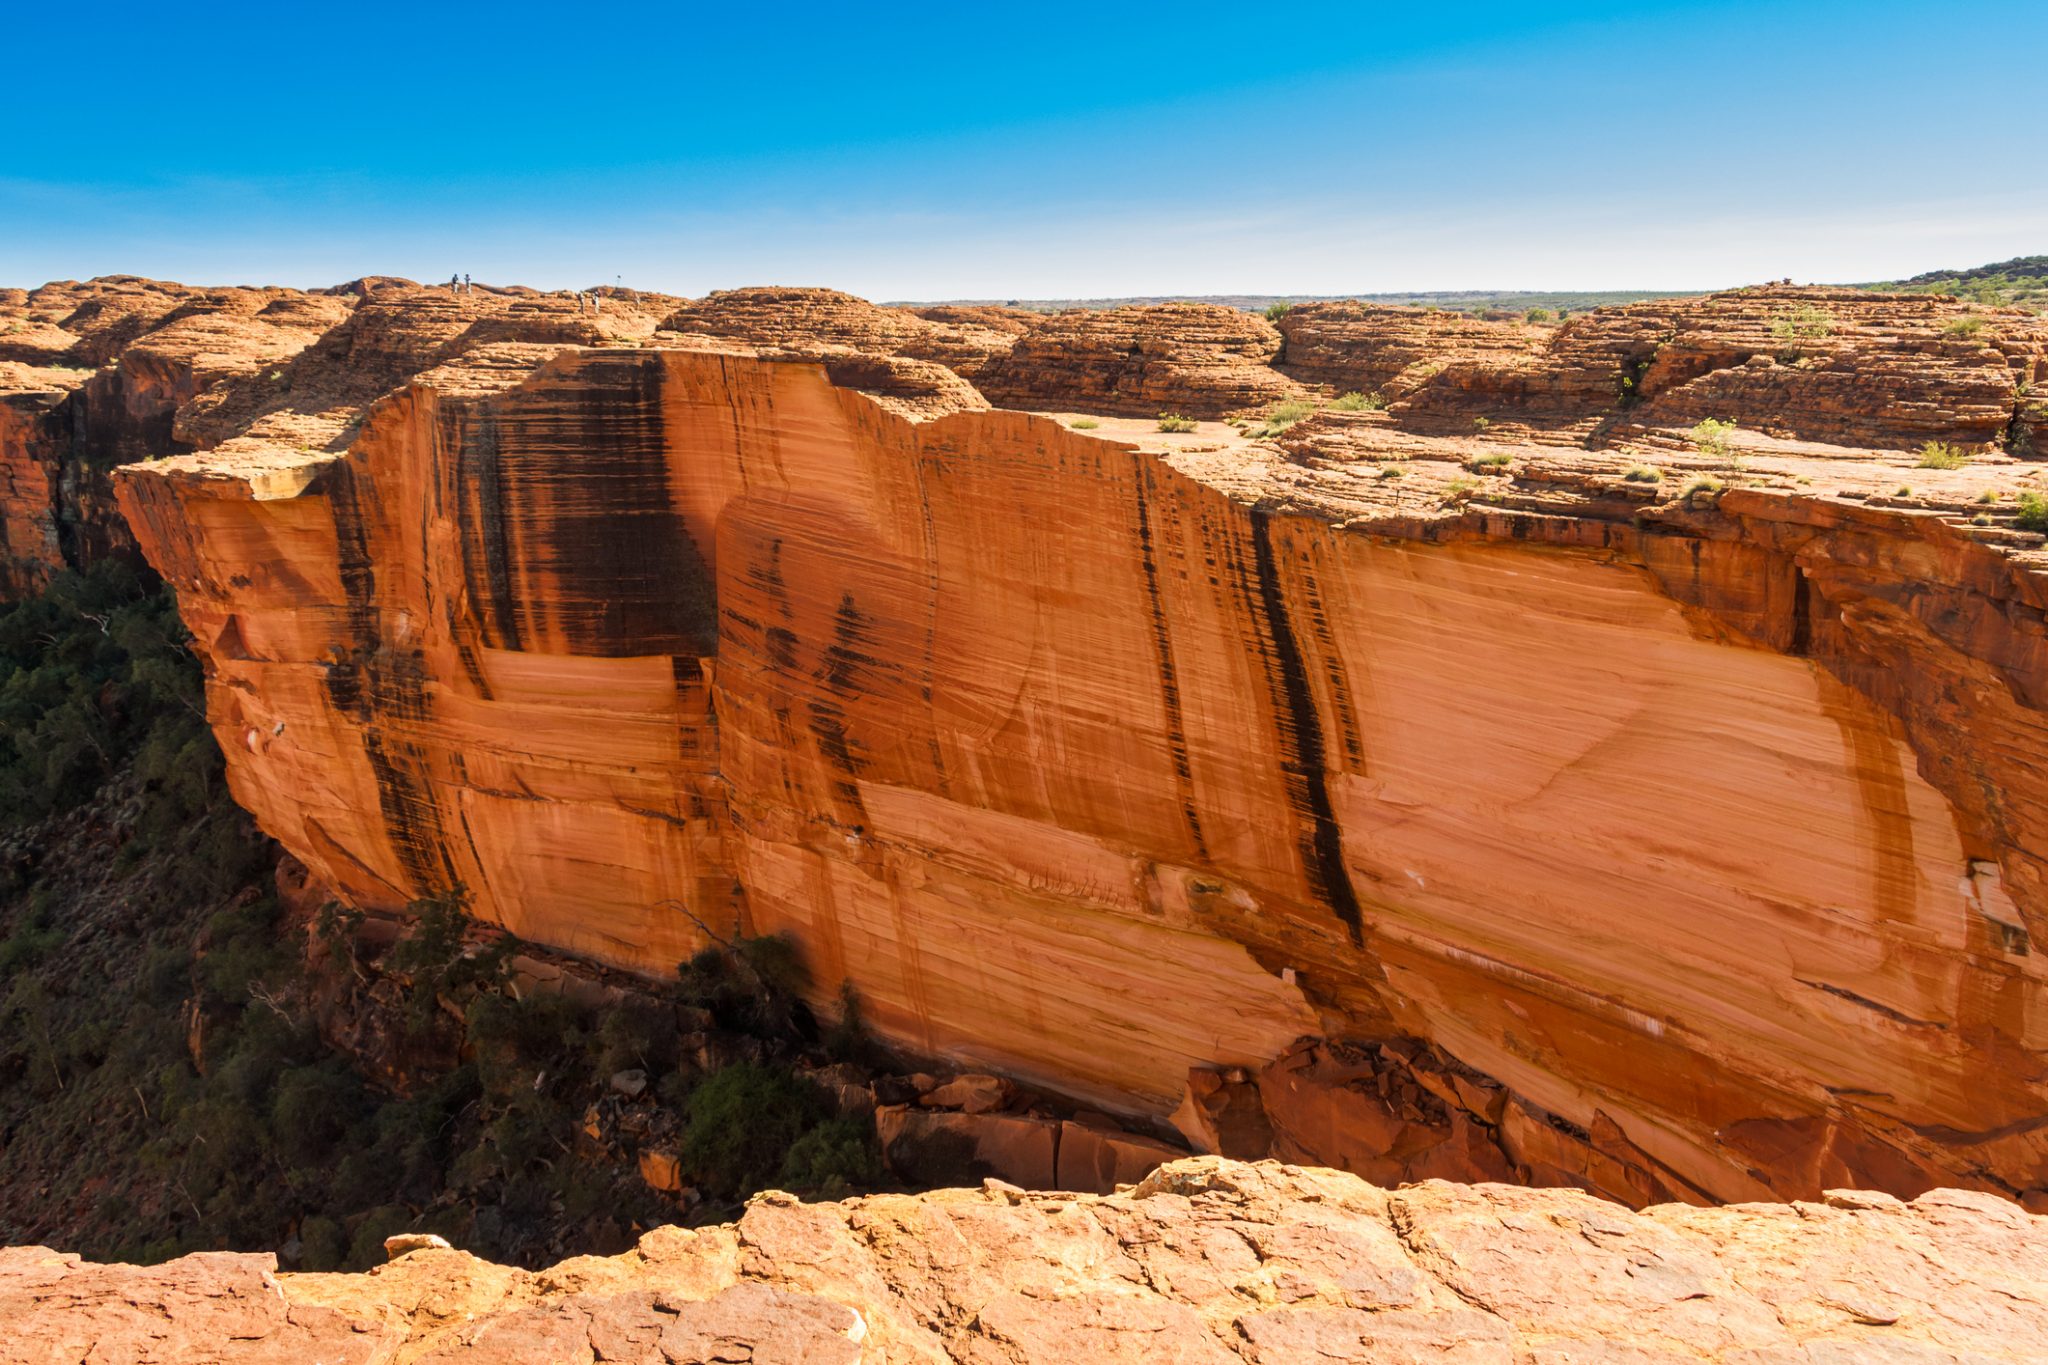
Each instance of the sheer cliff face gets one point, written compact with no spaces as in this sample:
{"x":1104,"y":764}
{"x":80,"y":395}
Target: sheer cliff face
{"x":1717,"y":842}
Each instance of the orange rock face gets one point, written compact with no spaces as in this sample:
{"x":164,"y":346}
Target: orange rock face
{"x":1368,"y":347}
{"x":1200,"y":360}
{"x":1501,"y":786}
{"x":1842,"y":366}
{"x":813,"y":320}
{"x":1202,"y":1261}
{"x":1687,"y":848}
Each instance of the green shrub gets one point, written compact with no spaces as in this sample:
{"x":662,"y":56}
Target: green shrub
{"x":1481,"y":423}
{"x":366,"y":1248}
{"x":1084,"y":424}
{"x":1643,"y":473}
{"x":1710,"y":437}
{"x":743,"y":1120}
{"x":1495,"y":461}
{"x":2033,"y":513}
{"x":1988,"y":495}
{"x":311,"y":1109}
{"x":1355,"y":401}
{"x":1942,"y":455}
{"x":1281,"y":416}
{"x":1705,"y":486}
{"x":1537,"y":315}
{"x":1803,"y":322}
{"x":323,"y":1244}
{"x":1390,"y":471}
{"x":1172,"y":421}
{"x":833,"y":1158}
{"x":1277,"y":311}
{"x":1967,"y":326}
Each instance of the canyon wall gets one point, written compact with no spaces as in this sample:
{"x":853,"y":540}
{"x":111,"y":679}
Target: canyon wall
{"x":1674,"y":849}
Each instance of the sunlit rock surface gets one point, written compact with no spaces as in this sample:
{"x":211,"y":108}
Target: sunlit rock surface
{"x":1203,"y":1261}
{"x":1672,"y":844}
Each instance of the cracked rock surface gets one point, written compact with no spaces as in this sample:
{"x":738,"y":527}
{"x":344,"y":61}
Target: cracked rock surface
{"x":1207,"y":1260}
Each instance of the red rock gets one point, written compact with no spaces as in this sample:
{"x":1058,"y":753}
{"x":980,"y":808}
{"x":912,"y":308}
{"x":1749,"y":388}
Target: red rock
{"x":1198,"y":360}
{"x":1203,"y":1260}
{"x":1237,"y":731}
{"x":661,"y":1170}
{"x":937,"y":1146}
{"x":972,"y":1093}
{"x":1096,"y":1161}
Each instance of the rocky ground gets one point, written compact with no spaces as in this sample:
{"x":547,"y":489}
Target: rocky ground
{"x":1205,"y":1261}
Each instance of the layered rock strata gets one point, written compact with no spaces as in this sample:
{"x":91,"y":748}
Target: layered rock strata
{"x":1842,"y":366}
{"x":1381,"y":348}
{"x":1675,"y":843}
{"x":1203,"y":1261}
{"x":1194,"y":359}
{"x":825,"y":320}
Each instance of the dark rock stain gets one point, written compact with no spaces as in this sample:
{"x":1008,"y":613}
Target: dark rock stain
{"x":1169,"y":680}
{"x":1303,"y":753}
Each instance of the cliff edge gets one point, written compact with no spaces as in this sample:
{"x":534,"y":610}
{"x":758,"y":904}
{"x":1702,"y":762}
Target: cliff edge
{"x":1204,"y":1261}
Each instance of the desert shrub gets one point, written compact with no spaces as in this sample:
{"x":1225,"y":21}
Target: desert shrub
{"x":1390,"y":471}
{"x":836,"y":1156}
{"x":1537,"y":315}
{"x":1710,"y":437}
{"x":93,"y":671}
{"x":848,"y":1039}
{"x":1705,"y":486}
{"x":1988,"y":495}
{"x":1495,"y":461}
{"x":1277,"y":311}
{"x":1084,"y":424}
{"x":1904,"y":490}
{"x":742,"y":1122}
{"x":323,"y":1244}
{"x":1644,"y":473}
{"x":1281,"y":416}
{"x":312,"y":1108}
{"x":752,"y":985}
{"x":366,"y":1248}
{"x":1966,"y":326}
{"x":2033,"y":513}
{"x":1803,"y":322}
{"x":1481,"y":423}
{"x":1942,"y":455}
{"x":1355,"y":401}
{"x":636,"y":1034}
{"x":1173,"y":421}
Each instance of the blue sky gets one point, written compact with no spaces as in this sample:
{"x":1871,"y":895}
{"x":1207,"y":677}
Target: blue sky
{"x":928,"y":151}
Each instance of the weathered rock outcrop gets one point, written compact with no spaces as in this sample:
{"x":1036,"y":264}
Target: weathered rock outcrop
{"x":824,"y":320}
{"x":1197,"y":359}
{"x":1372,"y":347}
{"x":1843,"y":366}
{"x":1611,"y":834}
{"x":1203,"y":1261}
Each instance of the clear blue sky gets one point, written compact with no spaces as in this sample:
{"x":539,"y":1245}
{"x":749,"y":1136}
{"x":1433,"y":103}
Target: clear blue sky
{"x":962,"y":150}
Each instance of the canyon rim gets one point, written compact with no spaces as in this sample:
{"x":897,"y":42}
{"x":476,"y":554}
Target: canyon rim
{"x":1346,"y":685}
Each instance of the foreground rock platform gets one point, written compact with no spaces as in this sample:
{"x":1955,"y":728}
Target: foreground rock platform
{"x":1204,"y":1261}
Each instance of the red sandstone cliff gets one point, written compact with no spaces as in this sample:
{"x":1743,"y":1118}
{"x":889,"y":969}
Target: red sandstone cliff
{"x":1561,"y":800}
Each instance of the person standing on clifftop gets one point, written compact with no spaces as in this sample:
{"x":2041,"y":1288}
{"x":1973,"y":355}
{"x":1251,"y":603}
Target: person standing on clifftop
{"x":467,"y":287}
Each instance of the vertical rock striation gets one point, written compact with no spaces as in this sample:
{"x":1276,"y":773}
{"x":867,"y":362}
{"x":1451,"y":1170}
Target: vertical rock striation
{"x":1688,"y":854}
